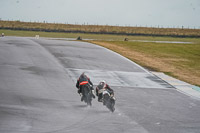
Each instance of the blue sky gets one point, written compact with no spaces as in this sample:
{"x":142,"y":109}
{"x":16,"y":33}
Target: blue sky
{"x":165,"y":13}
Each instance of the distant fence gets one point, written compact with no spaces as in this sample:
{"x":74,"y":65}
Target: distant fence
{"x":110,"y":33}
{"x":100,"y":29}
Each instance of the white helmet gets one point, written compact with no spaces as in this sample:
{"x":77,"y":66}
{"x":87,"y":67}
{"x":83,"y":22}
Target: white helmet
{"x":103,"y":81}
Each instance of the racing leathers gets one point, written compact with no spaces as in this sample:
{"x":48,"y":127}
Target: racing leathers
{"x":100,"y":88}
{"x":82,"y":81}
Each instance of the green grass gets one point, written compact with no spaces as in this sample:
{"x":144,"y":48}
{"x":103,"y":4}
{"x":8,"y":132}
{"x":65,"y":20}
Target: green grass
{"x":187,"y":55}
{"x":33,"y":33}
{"x":178,"y":60}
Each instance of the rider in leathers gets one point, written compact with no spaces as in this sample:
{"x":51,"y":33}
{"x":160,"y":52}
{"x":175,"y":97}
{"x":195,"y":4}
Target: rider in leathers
{"x":83,"y":80}
{"x":99,"y":90}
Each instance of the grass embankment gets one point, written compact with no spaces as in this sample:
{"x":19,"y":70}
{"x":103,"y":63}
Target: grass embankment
{"x":179,"y":60}
{"x":99,"y":29}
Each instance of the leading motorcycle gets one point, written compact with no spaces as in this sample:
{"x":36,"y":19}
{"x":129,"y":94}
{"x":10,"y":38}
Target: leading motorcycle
{"x":87,"y":94}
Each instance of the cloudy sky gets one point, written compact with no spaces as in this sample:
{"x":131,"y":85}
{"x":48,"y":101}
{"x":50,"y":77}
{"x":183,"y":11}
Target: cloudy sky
{"x":165,"y":13}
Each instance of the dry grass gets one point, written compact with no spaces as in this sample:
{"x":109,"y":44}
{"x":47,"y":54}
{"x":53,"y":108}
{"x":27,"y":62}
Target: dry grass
{"x":169,"y":64}
{"x":100,"y":29}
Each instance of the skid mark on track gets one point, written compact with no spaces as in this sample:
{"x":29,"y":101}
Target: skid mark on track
{"x":121,"y":78}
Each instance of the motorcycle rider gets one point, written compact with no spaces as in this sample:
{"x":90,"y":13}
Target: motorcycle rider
{"x":81,"y":82}
{"x":101,"y":87}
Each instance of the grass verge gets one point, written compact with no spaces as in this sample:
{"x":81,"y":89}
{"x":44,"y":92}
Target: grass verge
{"x":178,"y":60}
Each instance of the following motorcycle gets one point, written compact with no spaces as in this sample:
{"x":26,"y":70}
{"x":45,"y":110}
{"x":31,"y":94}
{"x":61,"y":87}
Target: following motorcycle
{"x":108,"y":100}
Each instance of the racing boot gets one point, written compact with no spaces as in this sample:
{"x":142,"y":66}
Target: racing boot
{"x":81,"y":97}
{"x":100,"y":99}
{"x":93,"y":94}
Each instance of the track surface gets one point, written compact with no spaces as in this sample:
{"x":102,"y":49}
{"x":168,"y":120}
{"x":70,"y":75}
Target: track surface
{"x":38,"y":94}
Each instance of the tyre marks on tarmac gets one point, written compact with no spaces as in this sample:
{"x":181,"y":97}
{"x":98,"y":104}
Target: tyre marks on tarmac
{"x":121,"y":78}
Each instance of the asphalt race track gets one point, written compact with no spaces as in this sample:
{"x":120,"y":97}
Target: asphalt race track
{"x":38,"y":93}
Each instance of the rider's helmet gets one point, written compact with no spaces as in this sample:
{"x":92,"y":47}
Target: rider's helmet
{"x":103,"y":81}
{"x":83,"y":76}
{"x":83,"y":73}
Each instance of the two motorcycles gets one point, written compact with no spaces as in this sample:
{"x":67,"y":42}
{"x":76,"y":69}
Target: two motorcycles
{"x":107,"y":99}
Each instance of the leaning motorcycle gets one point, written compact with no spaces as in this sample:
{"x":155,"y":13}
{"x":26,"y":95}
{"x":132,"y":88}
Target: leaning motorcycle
{"x":87,"y":94}
{"x":108,"y":100}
